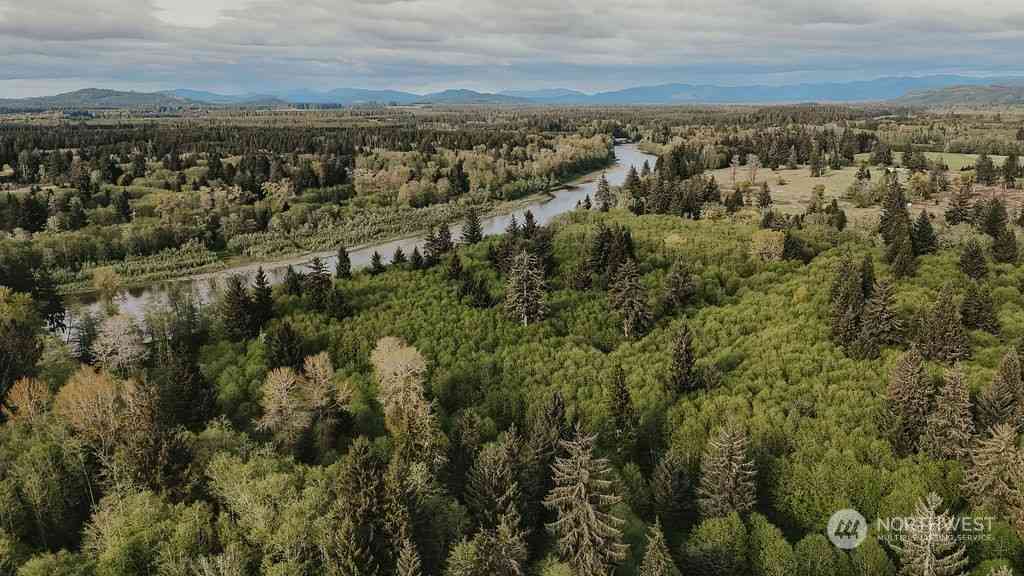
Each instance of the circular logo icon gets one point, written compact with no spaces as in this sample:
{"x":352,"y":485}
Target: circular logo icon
{"x":847,"y":529}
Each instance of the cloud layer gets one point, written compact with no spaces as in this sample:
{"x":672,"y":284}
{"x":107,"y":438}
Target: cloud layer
{"x":251,"y":45}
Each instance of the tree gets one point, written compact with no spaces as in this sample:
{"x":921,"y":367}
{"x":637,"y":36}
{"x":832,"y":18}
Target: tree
{"x":972,"y":260}
{"x":950,"y":426}
{"x":880,"y":325}
{"x":909,"y":397}
{"x":589,"y":534}
{"x":999,"y":403}
{"x":683,"y":377}
{"x":718,"y":546}
{"x":985,"y":170}
{"x":525,"y":290}
{"x":119,"y":345}
{"x":624,"y":417}
{"x":1004,"y":247}
{"x":923,"y":236}
{"x":262,"y":300}
{"x":630,"y":299}
{"x":408,"y":416}
{"x":943,"y":337}
{"x":292,"y":282}
{"x":284,"y":413}
{"x":847,"y":296}
{"x":416,"y":260}
{"x":929,"y":546}
{"x":977,"y":309}
{"x":657,"y":559}
{"x":408,"y":560}
{"x":236,"y":309}
{"x":603,"y":196}
{"x":491,"y":487}
{"x":680,"y":286}
{"x":283,"y":345}
{"x":455,"y":271}
{"x":20,"y":331}
{"x":671,"y":486}
{"x":764,"y":197}
{"x":472,"y":231}
{"x":317,"y":286}
{"x":727,"y":475}
{"x":376,"y":264}
{"x":343,"y":268}
{"x":996,"y":470}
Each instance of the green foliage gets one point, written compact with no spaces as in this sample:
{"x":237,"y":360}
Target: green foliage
{"x":718,"y":547}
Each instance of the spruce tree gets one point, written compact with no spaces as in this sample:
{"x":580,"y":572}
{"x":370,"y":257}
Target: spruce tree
{"x":943,"y":337}
{"x":977,"y":309}
{"x":727,"y":475}
{"x":630,"y":299}
{"x":318,"y":285}
{"x":589,"y":535}
{"x":972,"y":260}
{"x":235,"y":309}
{"x":683,"y":377}
{"x":603,"y":196}
{"x":376,"y":263}
{"x":472,"y":231}
{"x":959,"y":210}
{"x":880,"y":325}
{"x":900,"y":251}
{"x":994,"y":473}
{"x":283,"y":346}
{"x":847,"y":296}
{"x":408,"y":560}
{"x":262,"y":300}
{"x":292,"y":282}
{"x":343,"y":268}
{"x":929,"y":546}
{"x":624,"y":418}
{"x":398,"y":258}
{"x":680,"y":286}
{"x":867,"y":276}
{"x":525,"y":290}
{"x":671,"y":488}
{"x":657,"y":559}
{"x":923,"y":238}
{"x":999,"y":403}
{"x":454,"y":270}
{"x":530,"y":226}
{"x":416,"y":260}
{"x":764,"y":197}
{"x":909,"y":398}
{"x":491,"y":487}
{"x":950,"y":426}
{"x":1004,"y":247}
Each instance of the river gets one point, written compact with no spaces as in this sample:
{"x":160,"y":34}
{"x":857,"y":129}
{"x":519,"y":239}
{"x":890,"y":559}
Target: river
{"x":134,"y":300}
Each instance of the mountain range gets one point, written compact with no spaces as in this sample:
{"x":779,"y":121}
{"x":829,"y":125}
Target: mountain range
{"x":925,"y":90}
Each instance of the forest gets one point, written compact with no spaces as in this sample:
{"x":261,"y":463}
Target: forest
{"x":795,"y":311}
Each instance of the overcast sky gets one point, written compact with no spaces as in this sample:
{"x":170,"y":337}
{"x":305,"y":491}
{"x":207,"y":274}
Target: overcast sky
{"x":235,"y":46}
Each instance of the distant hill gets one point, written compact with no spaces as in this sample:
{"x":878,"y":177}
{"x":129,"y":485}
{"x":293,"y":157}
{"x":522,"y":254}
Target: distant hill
{"x":96,"y":98}
{"x":470,"y":97}
{"x":201,"y":96}
{"x":994,"y":95}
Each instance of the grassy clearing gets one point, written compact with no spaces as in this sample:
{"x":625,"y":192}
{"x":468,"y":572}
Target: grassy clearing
{"x":955,"y":161}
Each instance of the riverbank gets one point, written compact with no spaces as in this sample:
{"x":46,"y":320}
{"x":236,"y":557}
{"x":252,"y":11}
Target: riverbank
{"x":248,"y":264}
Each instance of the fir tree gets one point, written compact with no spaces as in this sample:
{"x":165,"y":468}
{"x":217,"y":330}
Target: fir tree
{"x":929,"y":546}
{"x":880,"y":326}
{"x":491,"y":487}
{"x":1004,"y":247}
{"x":398,"y":258}
{"x":923,"y":238}
{"x":949,"y":428}
{"x":727,"y":475}
{"x":512,"y":230}
{"x":624,"y":417}
{"x":792,"y":161}
{"x":657,"y":559}
{"x":999,"y":403}
{"x":262,"y":300}
{"x":455,"y":270}
{"x":972,"y":260}
{"x":683,"y":377}
{"x":317,"y":285}
{"x":472,"y":231}
{"x":671,"y":488}
{"x":416,"y":260}
{"x":630,"y":299}
{"x":847,"y":297}
{"x":943,"y":337}
{"x":376,"y":263}
{"x":589,"y":534}
{"x":993,"y":478}
{"x":764,"y":197}
{"x":909,"y":397}
{"x":529,"y":225}
{"x":236,"y":309}
{"x":408,"y":560}
{"x":292,"y":282}
{"x":283,"y":346}
{"x":343,"y":268}
{"x":977,"y":309}
{"x":994,"y":217}
{"x":680,"y":287}
{"x":526,"y":291}
{"x":959,"y":210}
{"x":603,"y":196}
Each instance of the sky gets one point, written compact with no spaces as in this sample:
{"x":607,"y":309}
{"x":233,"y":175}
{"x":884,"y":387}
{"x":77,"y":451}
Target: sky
{"x":239,"y":46}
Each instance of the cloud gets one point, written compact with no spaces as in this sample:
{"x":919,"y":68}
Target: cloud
{"x":277,"y":44}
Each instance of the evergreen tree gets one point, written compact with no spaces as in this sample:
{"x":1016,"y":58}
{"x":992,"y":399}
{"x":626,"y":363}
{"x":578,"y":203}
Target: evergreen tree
{"x":900,"y":251}
{"x":985,"y":170}
{"x":491,"y":487}
{"x":398,"y":258}
{"x":683,"y":376}
{"x":727,"y":475}
{"x":972,"y":260}
{"x":657,"y":559}
{"x":408,"y":560}
{"x":923,"y":239}
{"x":283,"y":346}
{"x":624,"y":417}
{"x":880,"y":325}
{"x":959,"y":210}
{"x":994,"y":217}
{"x":236,"y":310}
{"x":847,"y":297}
{"x":909,"y":397}
{"x":943,"y":337}
{"x":1000,"y":402}
{"x":416,"y":260}
{"x":376,"y":263}
{"x":472,"y":231}
{"x":929,"y":546}
{"x":603,"y":196}
{"x":262,"y":300}
{"x":993,"y":478}
{"x":343,"y":269}
{"x":529,"y":225}
{"x":630,"y":299}
{"x":526,"y":291}
{"x":817,"y":165}
{"x":292,"y":282}
{"x":589,"y":534}
{"x":764,"y":197}
{"x":317,"y":285}
{"x":950,"y":427}
{"x":455,"y":271}
{"x":977,"y":310}
{"x":512,"y":230}
{"x":680,"y":287}
{"x":792,"y":161}
{"x":1004,"y":247}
